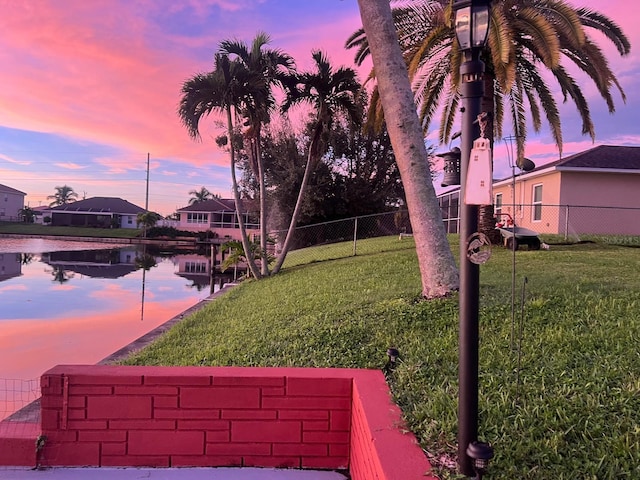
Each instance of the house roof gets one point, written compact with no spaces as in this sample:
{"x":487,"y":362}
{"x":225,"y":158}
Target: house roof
{"x":100,"y":205}
{"x":213,"y":205}
{"x":6,"y":189}
{"x":603,"y":156}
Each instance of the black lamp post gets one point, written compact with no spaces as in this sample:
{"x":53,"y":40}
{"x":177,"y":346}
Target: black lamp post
{"x":472,"y":27}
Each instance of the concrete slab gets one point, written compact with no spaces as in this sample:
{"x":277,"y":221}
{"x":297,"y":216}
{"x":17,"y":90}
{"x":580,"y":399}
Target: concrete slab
{"x":223,"y":473}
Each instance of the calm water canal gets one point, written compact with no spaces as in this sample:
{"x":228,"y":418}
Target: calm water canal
{"x":72,"y":302}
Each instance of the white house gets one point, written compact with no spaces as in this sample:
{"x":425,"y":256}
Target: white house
{"x":11,"y":202}
{"x":102,"y":212}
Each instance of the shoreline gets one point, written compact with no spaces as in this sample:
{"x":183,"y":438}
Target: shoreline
{"x":30,"y":413}
{"x":114,"y":240}
{"x":149,"y":337}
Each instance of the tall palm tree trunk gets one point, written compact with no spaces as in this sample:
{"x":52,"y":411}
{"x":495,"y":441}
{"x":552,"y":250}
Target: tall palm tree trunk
{"x":251,"y":264}
{"x":264,"y":262}
{"x":437,"y":266}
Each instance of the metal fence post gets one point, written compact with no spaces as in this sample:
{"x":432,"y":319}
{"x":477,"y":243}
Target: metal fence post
{"x":566,"y":223}
{"x":355,"y":236}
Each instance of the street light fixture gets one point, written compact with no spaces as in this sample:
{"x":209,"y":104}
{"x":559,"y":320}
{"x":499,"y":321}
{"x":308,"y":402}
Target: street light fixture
{"x":471,"y":23}
{"x":472,"y":26}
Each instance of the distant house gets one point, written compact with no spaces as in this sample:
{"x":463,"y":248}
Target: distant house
{"x":102,"y":212}
{"x":592,"y":192}
{"x":10,"y":266}
{"x":39,"y":214}
{"x":11,"y":202}
{"x":217,"y":215}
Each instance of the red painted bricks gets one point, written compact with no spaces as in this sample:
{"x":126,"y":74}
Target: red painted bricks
{"x":148,"y":442}
{"x":118,"y":407}
{"x":227,"y":416}
{"x":267,"y":431}
{"x":220,"y":397}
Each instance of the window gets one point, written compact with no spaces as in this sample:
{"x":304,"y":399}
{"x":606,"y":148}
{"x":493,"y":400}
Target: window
{"x":497,"y":208}
{"x":537,"y":203}
{"x":130,"y":220}
{"x":197,"y":218}
{"x":195,"y":267}
{"x":449,"y":207}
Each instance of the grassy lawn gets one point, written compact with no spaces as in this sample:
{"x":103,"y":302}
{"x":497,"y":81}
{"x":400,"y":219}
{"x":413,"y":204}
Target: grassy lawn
{"x":33,"y":229}
{"x":572,"y":410}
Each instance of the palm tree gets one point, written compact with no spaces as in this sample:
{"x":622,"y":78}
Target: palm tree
{"x":270,"y":66}
{"x":328,"y":91}
{"x":223,"y":91}
{"x":27,"y":214}
{"x":525,"y":38}
{"x":200,"y":195}
{"x":236,"y":254}
{"x":148,"y":219}
{"x":63,"y":195}
{"x":437,"y":266}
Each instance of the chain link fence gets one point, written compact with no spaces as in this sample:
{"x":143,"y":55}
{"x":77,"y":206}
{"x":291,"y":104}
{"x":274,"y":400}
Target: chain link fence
{"x":348,"y":232}
{"x":576,"y":223}
{"x":570,"y":223}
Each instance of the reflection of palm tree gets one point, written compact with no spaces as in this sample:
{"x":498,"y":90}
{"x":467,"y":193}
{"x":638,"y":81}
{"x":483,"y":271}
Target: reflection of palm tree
{"x":146,"y":261}
{"x":60,"y":275}
{"x":25,"y":258}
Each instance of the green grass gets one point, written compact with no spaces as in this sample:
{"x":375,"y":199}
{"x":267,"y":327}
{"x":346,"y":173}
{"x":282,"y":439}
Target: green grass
{"x":571,"y":412}
{"x":40,"y":230}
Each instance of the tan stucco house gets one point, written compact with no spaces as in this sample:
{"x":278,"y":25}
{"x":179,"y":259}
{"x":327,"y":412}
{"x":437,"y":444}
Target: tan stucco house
{"x":592,"y":192}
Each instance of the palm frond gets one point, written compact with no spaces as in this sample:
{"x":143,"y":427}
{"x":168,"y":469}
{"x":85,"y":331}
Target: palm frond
{"x":608,"y":27}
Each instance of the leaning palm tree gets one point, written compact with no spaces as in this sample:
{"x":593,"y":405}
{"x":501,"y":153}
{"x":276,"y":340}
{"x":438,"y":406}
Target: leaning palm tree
{"x":63,"y":195}
{"x":328,"y":91}
{"x":223,"y":91}
{"x":270,"y":66}
{"x":526,"y":38}
{"x":200,"y":195}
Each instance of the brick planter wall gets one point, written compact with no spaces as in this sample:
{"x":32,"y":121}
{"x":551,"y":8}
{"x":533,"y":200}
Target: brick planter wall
{"x":222,"y":416}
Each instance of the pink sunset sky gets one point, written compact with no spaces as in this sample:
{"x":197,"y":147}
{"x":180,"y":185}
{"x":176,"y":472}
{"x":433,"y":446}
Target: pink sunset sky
{"x":89,"y":88}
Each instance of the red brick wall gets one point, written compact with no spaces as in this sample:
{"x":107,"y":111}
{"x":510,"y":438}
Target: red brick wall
{"x":219,"y":416}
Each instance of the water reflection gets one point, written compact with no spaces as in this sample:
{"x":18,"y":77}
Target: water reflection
{"x":111,"y":263}
{"x":63,"y":304}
